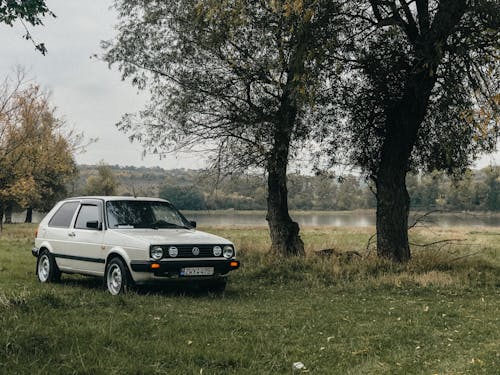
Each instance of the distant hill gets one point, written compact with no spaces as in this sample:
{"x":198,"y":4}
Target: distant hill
{"x":198,"y":189}
{"x":142,"y":181}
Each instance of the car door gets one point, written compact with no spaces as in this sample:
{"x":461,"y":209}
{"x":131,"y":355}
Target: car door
{"x":87,"y":251}
{"x":59,"y":233}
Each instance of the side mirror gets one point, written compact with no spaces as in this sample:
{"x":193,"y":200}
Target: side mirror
{"x":94,"y":224}
{"x":193,"y":223}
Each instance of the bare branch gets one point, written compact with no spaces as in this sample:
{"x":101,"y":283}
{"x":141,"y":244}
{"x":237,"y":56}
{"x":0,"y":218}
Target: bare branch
{"x":453,"y":240}
{"x":421,"y":217}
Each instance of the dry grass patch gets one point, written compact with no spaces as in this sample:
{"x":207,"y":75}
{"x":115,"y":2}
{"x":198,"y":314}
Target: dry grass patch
{"x":427,"y":279}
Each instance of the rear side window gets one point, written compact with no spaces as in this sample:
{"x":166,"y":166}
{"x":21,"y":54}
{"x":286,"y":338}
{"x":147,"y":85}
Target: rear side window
{"x":87,"y":213}
{"x":62,"y":218}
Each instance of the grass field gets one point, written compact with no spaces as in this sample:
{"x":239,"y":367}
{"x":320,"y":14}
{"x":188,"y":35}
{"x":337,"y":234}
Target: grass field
{"x":440,"y":314}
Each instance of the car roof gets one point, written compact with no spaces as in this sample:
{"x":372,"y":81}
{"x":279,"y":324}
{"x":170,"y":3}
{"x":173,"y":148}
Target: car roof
{"x":116,"y":198}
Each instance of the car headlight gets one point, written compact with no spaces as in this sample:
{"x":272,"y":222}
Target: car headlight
{"x":228,"y":251}
{"x":217,"y":251}
{"x":157,"y":253}
{"x":172,"y":251}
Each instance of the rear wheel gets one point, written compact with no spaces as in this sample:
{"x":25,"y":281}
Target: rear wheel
{"x":117,"y":277}
{"x":46,"y":268}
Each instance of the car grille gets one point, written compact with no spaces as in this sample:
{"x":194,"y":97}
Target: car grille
{"x":186,"y":251}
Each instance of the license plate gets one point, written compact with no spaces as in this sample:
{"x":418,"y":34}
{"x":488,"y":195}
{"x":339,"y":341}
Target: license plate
{"x":197,"y":271}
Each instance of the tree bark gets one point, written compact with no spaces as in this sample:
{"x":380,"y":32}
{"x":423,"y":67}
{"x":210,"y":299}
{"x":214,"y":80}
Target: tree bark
{"x":285,"y":238}
{"x":8,"y":214}
{"x":29,"y":215}
{"x":393,"y":208}
{"x":403,"y":122}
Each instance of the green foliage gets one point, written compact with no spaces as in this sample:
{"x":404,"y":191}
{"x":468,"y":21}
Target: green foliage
{"x":26,"y":10}
{"x":475,"y":191}
{"x":104,"y":183}
{"x":447,"y":51}
{"x":30,"y":11}
{"x":184,"y":198}
{"x":223,"y":74}
{"x":491,"y":189}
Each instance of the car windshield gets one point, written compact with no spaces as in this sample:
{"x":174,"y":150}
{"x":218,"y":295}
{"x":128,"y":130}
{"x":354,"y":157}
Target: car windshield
{"x":144,"y":214}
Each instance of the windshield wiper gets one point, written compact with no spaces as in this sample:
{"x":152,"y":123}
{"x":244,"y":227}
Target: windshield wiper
{"x":164,"y":224}
{"x":122,"y":225}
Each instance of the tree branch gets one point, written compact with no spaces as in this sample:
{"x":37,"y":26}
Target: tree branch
{"x":437,"y":242}
{"x":410,"y":26}
{"x":423,"y":15}
{"x":421,"y":217}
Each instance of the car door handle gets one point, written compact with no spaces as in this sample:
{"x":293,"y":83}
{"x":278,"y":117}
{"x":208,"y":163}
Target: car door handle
{"x":71,"y":234}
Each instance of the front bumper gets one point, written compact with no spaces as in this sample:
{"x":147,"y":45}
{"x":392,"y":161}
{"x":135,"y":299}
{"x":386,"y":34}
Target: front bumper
{"x":34,"y":251}
{"x":173,"y":268}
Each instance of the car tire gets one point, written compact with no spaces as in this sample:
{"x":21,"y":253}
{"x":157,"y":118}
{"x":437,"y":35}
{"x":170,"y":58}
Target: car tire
{"x":117,"y":280}
{"x":46,"y":268}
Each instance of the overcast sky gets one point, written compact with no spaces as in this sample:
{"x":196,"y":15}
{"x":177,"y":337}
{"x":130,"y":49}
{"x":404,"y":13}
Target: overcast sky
{"x":88,"y":95}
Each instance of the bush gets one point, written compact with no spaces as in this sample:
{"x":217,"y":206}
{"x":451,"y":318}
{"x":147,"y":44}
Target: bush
{"x":184,"y":198}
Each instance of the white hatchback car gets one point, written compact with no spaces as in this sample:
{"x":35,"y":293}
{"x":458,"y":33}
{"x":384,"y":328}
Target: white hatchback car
{"x":129,"y":241}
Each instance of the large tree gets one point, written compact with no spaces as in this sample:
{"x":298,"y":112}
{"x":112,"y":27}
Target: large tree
{"x":242,"y":77}
{"x":36,"y":153}
{"x":421,"y":92}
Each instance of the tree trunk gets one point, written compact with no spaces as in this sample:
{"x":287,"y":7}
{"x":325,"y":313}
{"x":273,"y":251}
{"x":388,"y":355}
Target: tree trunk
{"x":8,"y":214}
{"x":285,"y":238}
{"x":393,"y":201}
{"x":393,"y":207}
{"x":29,"y":215}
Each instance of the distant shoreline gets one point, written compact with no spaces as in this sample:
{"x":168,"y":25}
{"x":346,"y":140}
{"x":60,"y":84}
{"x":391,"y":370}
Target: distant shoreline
{"x":315,"y":218}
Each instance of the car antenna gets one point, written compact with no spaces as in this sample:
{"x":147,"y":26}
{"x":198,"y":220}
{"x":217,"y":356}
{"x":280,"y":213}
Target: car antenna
{"x":133,"y":190}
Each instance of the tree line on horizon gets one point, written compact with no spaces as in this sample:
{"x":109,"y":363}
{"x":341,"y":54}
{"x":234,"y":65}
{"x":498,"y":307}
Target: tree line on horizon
{"x":477,"y":190}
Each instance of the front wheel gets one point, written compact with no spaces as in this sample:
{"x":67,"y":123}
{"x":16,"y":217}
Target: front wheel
{"x":117,"y":277}
{"x":46,"y":268}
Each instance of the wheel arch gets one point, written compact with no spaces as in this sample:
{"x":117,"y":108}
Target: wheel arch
{"x":45,"y":245}
{"x":118,"y":253}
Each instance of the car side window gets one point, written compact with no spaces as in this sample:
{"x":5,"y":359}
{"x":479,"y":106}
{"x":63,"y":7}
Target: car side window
{"x":87,"y":213}
{"x":62,"y":218}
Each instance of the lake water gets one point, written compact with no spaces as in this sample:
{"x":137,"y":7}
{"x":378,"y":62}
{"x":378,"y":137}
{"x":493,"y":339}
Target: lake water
{"x":363,"y":218}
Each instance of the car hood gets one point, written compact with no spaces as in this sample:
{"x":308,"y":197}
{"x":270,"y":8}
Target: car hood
{"x":173,"y":236}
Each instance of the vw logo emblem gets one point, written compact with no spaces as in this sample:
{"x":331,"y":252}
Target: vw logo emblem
{"x":196,"y":251}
